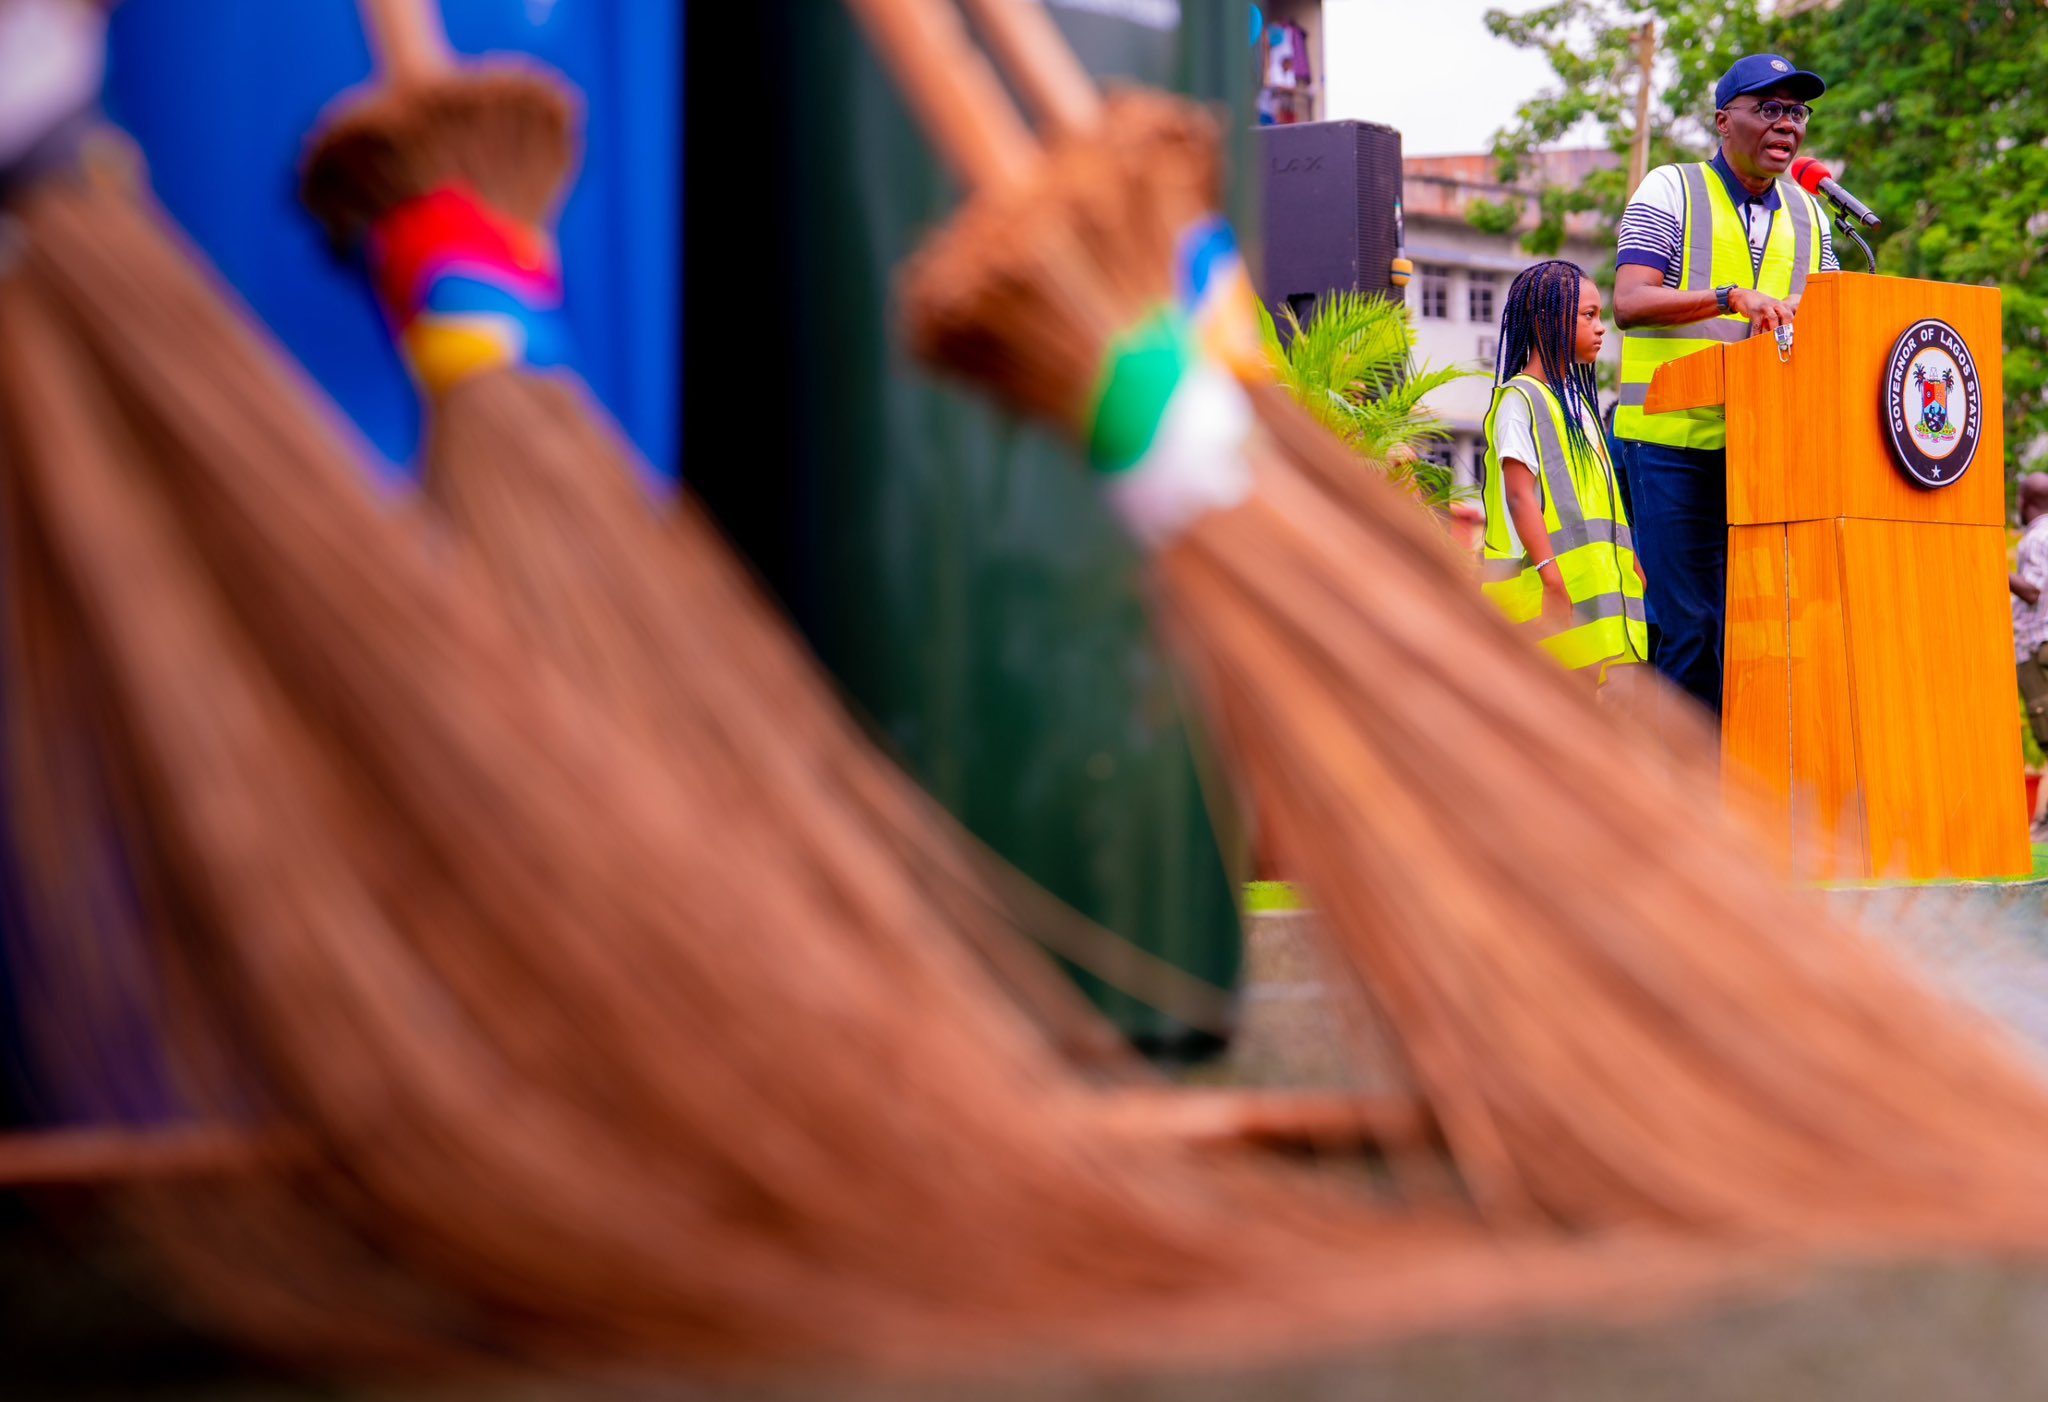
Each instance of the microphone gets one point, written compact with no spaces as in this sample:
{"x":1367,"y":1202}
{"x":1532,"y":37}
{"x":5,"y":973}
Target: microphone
{"x":1817,"y":179}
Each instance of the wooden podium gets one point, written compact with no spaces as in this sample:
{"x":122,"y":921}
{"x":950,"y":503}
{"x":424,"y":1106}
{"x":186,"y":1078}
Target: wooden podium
{"x":1869,"y":695}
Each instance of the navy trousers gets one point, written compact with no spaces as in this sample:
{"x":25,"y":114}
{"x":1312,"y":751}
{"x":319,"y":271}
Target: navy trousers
{"x":1680,"y":515}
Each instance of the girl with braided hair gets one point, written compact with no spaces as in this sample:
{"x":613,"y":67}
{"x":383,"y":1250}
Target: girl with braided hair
{"x":1558,"y":552}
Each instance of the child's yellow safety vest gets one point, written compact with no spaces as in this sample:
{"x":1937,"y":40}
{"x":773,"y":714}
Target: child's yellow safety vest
{"x":1589,"y":534}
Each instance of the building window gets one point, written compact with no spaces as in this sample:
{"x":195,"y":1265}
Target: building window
{"x":1489,"y":346}
{"x":1436,"y":291}
{"x":1479,"y":289}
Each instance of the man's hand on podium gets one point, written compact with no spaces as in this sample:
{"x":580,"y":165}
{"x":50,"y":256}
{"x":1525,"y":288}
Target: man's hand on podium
{"x":1641,"y":299}
{"x":1766,"y":314}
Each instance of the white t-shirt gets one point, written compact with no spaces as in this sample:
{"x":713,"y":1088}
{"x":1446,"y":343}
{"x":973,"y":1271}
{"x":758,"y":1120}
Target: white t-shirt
{"x":2030,"y":621}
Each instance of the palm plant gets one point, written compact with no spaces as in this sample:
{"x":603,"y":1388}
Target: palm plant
{"x":1351,"y":365}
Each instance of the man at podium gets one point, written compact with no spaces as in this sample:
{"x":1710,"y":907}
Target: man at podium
{"x":1712,"y":251}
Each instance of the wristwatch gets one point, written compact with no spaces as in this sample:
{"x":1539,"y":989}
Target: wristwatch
{"x":1721,"y":296}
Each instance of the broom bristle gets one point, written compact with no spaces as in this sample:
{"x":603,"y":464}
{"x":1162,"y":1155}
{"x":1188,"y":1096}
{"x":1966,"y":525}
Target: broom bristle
{"x":664,"y":629}
{"x":505,"y":129}
{"x":1615,"y":1010}
{"x":92,"y":1024}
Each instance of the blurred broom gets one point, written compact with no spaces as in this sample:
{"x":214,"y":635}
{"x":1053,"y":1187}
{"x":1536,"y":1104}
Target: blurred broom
{"x":575,"y":1073}
{"x":444,"y":174}
{"x":83,"y":1018}
{"x":1615,"y":1012}
{"x":77,"y":958}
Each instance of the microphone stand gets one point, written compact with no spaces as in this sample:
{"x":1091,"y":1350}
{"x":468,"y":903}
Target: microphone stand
{"x":1847,"y":226}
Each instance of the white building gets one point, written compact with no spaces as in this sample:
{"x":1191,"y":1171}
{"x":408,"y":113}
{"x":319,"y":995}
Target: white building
{"x":1462,"y":275}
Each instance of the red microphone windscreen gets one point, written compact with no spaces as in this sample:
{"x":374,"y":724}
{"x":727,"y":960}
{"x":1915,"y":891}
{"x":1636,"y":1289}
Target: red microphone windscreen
{"x":1809,"y":173}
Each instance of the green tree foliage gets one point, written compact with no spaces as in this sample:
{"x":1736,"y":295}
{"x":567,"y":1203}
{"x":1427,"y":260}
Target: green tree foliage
{"x":1352,"y":367}
{"x":1939,"y":114}
{"x":1590,"y":45}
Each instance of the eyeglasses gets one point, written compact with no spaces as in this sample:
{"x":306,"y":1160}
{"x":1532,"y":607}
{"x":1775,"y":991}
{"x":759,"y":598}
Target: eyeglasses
{"x":1774,"y":111}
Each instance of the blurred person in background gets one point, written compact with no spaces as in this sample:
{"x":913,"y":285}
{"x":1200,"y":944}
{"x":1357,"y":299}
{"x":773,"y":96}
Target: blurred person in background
{"x":2028,"y":583}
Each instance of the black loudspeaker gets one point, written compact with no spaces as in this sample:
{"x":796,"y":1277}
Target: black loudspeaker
{"x":1332,"y":199}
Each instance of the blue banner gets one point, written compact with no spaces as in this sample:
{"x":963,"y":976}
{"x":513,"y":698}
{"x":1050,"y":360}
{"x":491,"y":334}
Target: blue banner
{"x":222,"y":95}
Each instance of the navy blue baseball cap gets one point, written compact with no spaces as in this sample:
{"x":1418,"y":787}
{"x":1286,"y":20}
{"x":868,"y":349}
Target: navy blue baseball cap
{"x":1759,"y":72}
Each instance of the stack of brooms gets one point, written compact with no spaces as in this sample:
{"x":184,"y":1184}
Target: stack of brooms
{"x":550,"y":1057}
{"x":569,"y":1067}
{"x":642,"y":602}
{"x":646,"y":606}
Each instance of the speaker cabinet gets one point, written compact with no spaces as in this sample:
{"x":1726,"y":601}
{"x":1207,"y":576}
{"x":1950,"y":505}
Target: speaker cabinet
{"x":1332,"y":200}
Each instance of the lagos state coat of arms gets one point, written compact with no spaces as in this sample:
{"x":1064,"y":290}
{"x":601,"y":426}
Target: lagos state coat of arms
{"x":1933,"y":404}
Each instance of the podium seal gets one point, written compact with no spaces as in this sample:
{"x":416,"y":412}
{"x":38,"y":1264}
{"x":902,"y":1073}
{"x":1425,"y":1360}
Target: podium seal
{"x":1933,"y":406}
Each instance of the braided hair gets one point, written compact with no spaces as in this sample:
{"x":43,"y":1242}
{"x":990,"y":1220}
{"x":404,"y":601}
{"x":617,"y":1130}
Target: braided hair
{"x":1541,"y":321}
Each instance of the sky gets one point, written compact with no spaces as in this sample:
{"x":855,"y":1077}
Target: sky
{"x":1429,"y":68}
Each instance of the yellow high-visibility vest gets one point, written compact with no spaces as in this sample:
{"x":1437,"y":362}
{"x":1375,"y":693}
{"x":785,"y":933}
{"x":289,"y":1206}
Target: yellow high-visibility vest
{"x":1589,"y":534}
{"x":1716,"y":253}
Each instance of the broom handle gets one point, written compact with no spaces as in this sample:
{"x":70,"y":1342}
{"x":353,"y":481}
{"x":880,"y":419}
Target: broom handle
{"x":951,"y":87}
{"x":410,"y":40}
{"x":1039,"y":60}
